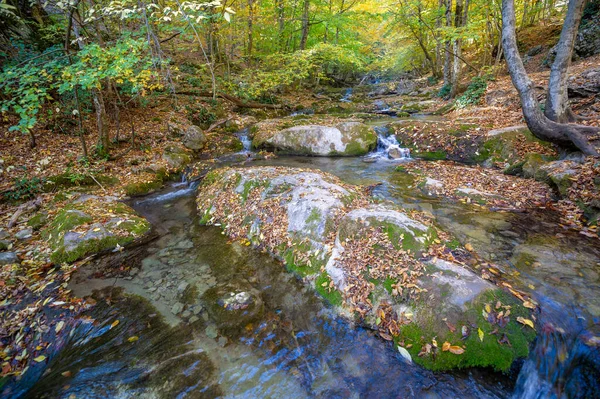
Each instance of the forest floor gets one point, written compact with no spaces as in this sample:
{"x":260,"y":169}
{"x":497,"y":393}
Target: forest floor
{"x":36,"y":289}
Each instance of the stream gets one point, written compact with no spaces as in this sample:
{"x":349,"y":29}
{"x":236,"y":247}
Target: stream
{"x":292,"y":345}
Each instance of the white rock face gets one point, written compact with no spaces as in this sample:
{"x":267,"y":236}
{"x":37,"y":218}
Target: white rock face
{"x":345,"y":139}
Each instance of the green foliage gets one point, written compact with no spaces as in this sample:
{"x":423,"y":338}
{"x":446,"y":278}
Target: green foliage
{"x":24,"y":188}
{"x":200,"y":115}
{"x":444,"y":91}
{"x":475,"y":91}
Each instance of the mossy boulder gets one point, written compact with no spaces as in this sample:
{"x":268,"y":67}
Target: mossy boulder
{"x":505,"y":147}
{"x":38,"y":220}
{"x":368,"y":261}
{"x":560,"y":174}
{"x":328,"y":138}
{"x":176,"y":156}
{"x":91,"y":225}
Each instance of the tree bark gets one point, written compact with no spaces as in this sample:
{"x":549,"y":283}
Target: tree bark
{"x":564,"y":135}
{"x":305,"y":25}
{"x":250,"y":29}
{"x":459,"y":21}
{"x":447,"y":52}
{"x":557,"y":101}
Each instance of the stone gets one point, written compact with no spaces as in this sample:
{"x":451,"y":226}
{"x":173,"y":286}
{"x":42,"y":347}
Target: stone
{"x":323,"y":219}
{"x":182,"y":286}
{"x":222,"y":341}
{"x":177,"y":308}
{"x":560,"y":173}
{"x":193,"y":319}
{"x":194,"y":139}
{"x":509,"y":129}
{"x":398,"y":153}
{"x":8,"y":258}
{"x":211,"y":331}
{"x":4,"y":245}
{"x":23,"y":235}
{"x":69,"y":243}
{"x":349,"y":138}
{"x":176,"y":156}
{"x":3,"y":234}
{"x":134,"y":271}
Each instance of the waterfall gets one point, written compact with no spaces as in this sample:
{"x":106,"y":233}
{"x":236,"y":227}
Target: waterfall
{"x":245,"y":139}
{"x":388,"y":146}
{"x":346,"y":98}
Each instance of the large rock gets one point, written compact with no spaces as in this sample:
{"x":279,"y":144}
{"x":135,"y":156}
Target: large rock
{"x":347,"y":138}
{"x":368,"y":260}
{"x":560,"y":174}
{"x":8,"y":258}
{"x":91,"y":225}
{"x":194,"y":139}
{"x":176,"y":156}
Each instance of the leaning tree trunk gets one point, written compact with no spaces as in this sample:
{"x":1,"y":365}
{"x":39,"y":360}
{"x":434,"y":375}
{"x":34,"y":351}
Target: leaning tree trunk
{"x":557,"y":102}
{"x":565,"y":135}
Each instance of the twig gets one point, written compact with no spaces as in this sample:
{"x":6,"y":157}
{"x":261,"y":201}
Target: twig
{"x":98,"y":183}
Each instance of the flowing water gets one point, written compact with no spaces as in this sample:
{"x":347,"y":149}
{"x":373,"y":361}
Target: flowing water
{"x":174,"y":340}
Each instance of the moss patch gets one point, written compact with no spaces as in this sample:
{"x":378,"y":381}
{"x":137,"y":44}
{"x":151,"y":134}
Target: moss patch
{"x":327,"y":290}
{"x":488,"y":352}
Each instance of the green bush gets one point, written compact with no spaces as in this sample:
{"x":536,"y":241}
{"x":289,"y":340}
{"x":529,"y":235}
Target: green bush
{"x":24,"y":188}
{"x":475,"y":91}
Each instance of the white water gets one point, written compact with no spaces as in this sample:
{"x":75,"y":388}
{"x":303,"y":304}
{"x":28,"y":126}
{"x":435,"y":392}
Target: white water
{"x":246,"y":141}
{"x":347,"y":96}
{"x":387,"y":143}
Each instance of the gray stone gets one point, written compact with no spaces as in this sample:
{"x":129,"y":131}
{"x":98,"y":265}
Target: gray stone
{"x":211,"y":331}
{"x":4,"y":245}
{"x":509,"y":129}
{"x":24,"y":234}
{"x":176,"y":157}
{"x":344,"y":139}
{"x":177,"y":308}
{"x":3,"y":234}
{"x":8,"y":258}
{"x":222,"y":341}
{"x":182,"y":286}
{"x":194,"y":138}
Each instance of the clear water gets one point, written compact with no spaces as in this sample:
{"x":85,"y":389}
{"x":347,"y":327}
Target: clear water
{"x":388,"y":147}
{"x":289,"y":344}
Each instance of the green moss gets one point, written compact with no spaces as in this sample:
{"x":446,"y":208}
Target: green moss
{"x":249,"y":185}
{"x":486,"y":353}
{"x":212,"y":177}
{"x":453,"y":244}
{"x":295,"y":259}
{"x":61,"y":255}
{"x":143,"y":188}
{"x":331,"y":294}
{"x":38,"y":221}
{"x":432,"y":155}
{"x":67,"y":219}
{"x":206,"y":217}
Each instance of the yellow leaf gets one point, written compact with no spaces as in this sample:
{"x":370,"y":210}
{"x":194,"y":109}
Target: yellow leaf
{"x":469,"y":247}
{"x":488,"y":308}
{"x":133,"y":338}
{"x":529,"y":305}
{"x":526,"y":322}
{"x":59,"y":326}
{"x":457,"y":350}
{"x":480,"y":332}
{"x":446,"y":346}
{"x":40,"y":358}
{"x":114,"y":324}
{"x":434,"y":342}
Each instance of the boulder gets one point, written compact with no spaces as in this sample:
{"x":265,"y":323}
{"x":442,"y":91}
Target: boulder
{"x":176,"y":156}
{"x":8,"y":258}
{"x":194,"y":139}
{"x":365,"y":259}
{"x":346,"y":138}
{"x":560,"y":174}
{"x":90,"y":225}
{"x":24,"y":234}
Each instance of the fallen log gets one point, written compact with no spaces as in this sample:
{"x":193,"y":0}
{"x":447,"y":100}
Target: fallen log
{"x":233,"y":99}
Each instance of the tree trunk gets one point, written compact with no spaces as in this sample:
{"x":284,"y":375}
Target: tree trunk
{"x":438,"y":44}
{"x":456,"y":49}
{"x":447,"y":53}
{"x":305,"y":25}
{"x":565,"y":135}
{"x":101,"y":122}
{"x":281,"y":23}
{"x":557,"y":102}
{"x":250,"y":28}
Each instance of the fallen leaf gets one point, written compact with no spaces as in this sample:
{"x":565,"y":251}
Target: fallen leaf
{"x":446,"y":346}
{"x":526,"y":322}
{"x":59,"y":326}
{"x":469,"y":247}
{"x":457,"y":350}
{"x":480,"y":332}
{"x":133,"y":338}
{"x":405,"y":354}
{"x":114,"y":324}
{"x":40,"y":358}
